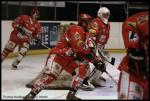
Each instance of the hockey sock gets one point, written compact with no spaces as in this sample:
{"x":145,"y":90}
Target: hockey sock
{"x":5,"y":53}
{"x":73,"y":91}
{"x":71,"y":95}
{"x":42,"y":83}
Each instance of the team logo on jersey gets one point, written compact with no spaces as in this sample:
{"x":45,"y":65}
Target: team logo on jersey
{"x":92,"y":31}
{"x":131,"y":24}
{"x":95,"y":26}
{"x":77,"y":36}
{"x":142,"y":19}
{"x":80,"y":42}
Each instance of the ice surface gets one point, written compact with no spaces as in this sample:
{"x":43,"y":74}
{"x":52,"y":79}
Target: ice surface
{"x":14,"y":81}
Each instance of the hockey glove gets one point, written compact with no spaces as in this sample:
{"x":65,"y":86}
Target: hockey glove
{"x":136,"y":54}
{"x":37,"y":41}
{"x":137,"y":61}
{"x":100,"y":66}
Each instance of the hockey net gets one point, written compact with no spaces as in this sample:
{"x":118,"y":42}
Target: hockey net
{"x":64,"y":79}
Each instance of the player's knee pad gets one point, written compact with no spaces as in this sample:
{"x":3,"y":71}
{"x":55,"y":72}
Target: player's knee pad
{"x":24,"y":48}
{"x":53,"y":69}
{"x":20,"y":57}
{"x":23,"y":51}
{"x":10,"y":45}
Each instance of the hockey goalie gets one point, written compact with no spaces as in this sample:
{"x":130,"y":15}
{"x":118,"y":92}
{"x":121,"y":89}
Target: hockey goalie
{"x":99,"y":29}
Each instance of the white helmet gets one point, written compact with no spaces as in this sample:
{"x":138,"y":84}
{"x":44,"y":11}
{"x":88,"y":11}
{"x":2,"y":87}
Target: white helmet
{"x":103,"y":13}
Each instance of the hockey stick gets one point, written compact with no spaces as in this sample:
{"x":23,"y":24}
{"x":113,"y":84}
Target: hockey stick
{"x":111,"y":77}
{"x":101,"y":53}
{"x":91,"y":74}
{"x":45,"y":46}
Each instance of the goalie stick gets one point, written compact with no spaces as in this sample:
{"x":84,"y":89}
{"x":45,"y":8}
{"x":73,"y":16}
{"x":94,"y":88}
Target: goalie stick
{"x":111,"y":77}
{"x":91,"y":74}
{"x":105,"y":59}
{"x":94,"y":70}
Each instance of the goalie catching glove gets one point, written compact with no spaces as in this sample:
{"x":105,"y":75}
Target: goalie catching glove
{"x":37,"y":41}
{"x":136,"y":61}
{"x":100,"y":66}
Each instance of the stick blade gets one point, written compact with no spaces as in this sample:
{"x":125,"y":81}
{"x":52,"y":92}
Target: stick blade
{"x":113,"y":61}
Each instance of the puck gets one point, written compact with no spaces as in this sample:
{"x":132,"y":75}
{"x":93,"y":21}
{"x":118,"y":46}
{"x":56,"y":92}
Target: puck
{"x":110,"y":86}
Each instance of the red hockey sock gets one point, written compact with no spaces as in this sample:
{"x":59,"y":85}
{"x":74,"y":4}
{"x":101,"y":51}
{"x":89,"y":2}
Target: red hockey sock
{"x":43,"y":83}
{"x":5,"y":53}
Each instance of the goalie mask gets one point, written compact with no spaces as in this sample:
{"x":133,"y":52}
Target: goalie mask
{"x":104,"y":14}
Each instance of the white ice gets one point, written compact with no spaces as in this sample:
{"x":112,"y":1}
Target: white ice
{"x":14,"y":81}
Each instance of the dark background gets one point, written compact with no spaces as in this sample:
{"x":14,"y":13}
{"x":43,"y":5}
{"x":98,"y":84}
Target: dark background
{"x":119,"y":10}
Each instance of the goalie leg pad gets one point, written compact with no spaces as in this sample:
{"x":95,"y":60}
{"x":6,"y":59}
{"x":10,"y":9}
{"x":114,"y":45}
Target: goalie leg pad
{"x":87,"y":86}
{"x":98,"y":79}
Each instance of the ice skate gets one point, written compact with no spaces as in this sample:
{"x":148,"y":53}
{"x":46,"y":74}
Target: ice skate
{"x":86,"y":85}
{"x":14,"y":67}
{"x":71,"y":96}
{"x":29,"y":97}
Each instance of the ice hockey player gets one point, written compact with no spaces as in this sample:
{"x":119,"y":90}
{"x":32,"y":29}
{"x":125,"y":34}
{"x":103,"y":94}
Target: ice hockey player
{"x":98,"y":29}
{"x":25,"y":29}
{"x":65,"y":56}
{"x":134,"y":68}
